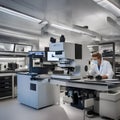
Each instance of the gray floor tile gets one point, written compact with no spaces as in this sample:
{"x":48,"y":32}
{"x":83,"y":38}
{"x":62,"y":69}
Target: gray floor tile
{"x":11,"y":109}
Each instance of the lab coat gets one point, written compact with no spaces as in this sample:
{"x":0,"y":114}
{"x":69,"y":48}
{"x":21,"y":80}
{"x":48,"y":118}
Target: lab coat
{"x":105,"y":69}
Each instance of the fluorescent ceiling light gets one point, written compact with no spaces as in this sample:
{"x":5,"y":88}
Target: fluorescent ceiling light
{"x":53,"y":33}
{"x":18,"y":14}
{"x":17,"y":34}
{"x":83,"y":32}
{"x":108,"y":5}
{"x":68,"y":29}
{"x":94,"y":35}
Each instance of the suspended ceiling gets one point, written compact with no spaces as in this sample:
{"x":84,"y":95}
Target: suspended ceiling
{"x":66,"y":12}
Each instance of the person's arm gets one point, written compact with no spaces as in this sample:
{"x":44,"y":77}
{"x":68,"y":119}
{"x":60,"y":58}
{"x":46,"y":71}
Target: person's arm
{"x":110,"y":72}
{"x":92,"y":70}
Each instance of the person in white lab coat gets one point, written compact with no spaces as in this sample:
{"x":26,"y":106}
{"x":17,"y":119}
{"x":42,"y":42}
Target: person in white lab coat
{"x":101,"y":68}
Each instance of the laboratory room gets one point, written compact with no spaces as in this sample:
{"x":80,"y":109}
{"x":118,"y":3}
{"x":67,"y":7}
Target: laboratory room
{"x":59,"y":59}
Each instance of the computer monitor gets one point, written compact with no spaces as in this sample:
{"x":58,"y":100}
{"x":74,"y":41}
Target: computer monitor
{"x":37,"y":53}
{"x":22,"y":48}
{"x":7,"y":47}
{"x":51,"y":57}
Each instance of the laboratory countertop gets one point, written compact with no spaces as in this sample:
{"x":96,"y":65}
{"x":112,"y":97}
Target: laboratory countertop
{"x":104,"y":81}
{"x":102,"y":85}
{"x":26,"y":73}
{"x":79,"y":81}
{"x":13,"y":71}
{"x":35,"y":76}
{"x":87,"y":81}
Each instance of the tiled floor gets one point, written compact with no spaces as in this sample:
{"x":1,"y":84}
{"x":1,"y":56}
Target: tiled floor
{"x":11,"y":109}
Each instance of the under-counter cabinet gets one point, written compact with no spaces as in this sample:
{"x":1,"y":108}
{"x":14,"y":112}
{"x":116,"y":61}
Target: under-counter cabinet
{"x":7,"y":88}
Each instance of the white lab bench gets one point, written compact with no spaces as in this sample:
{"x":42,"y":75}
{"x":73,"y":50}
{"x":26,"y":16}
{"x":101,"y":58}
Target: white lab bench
{"x":88,"y":84}
{"x":43,"y":92}
{"x":113,"y":100}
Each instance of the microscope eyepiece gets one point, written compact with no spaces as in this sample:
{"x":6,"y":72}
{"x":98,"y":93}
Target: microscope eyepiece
{"x":62,"y":38}
{"x":52,"y":40}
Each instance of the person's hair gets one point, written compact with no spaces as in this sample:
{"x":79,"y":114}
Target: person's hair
{"x":98,"y":55}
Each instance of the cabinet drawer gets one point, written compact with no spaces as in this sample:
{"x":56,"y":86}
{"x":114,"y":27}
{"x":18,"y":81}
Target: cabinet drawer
{"x":5,"y":85}
{"x":5,"y":89}
{"x":8,"y":93}
{"x":5,"y":77}
{"x":6,"y":80}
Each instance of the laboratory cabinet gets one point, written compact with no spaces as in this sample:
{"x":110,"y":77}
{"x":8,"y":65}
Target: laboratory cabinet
{"x":11,"y":63}
{"x":5,"y":86}
{"x":108,"y":52}
{"x":8,"y":85}
{"x":36,"y":93}
{"x":111,"y":52}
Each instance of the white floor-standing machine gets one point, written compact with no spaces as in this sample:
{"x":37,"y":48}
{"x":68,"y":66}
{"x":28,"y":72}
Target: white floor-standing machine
{"x":33,"y":92}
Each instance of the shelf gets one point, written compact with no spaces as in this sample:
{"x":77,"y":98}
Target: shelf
{"x":108,"y":51}
{"x":13,"y":54}
{"x":14,"y":71}
{"x":108,"y":57}
{"x":5,"y":86}
{"x":117,"y":55}
{"x":106,"y":43}
{"x":117,"y":75}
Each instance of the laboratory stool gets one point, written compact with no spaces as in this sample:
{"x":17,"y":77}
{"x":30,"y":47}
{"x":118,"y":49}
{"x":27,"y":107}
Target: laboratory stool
{"x":110,"y":105}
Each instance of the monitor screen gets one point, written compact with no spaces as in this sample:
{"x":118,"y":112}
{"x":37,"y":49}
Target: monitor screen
{"x":51,"y":57}
{"x":37,"y":53}
{"x":22,"y":48}
{"x":6,"y":47}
